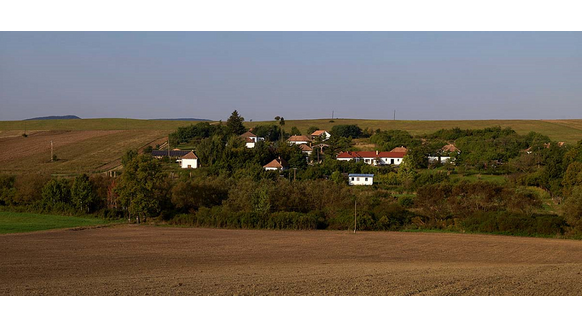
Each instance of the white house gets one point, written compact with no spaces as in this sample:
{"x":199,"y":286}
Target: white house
{"x":298,"y":140}
{"x":189,"y":161}
{"x":251,"y":139}
{"x":278,"y":164}
{"x":373,"y":157}
{"x":444,"y":154}
{"x":360,"y":179}
{"x":324,"y":135}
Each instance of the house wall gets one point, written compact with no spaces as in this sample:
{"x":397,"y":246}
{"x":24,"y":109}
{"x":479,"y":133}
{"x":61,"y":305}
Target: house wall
{"x":250,"y":145}
{"x":192,"y":162}
{"x":360,"y":181}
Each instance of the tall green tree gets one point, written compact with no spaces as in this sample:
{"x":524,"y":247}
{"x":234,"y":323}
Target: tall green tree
{"x":55,"y":192}
{"x":235,"y":124}
{"x":139,"y":187}
{"x":83,"y":195}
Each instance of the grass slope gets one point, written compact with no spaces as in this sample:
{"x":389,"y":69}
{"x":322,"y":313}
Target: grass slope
{"x":26,"y":222}
{"x":569,"y":131}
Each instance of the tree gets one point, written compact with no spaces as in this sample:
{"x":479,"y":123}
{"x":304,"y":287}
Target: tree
{"x":140,"y":186}
{"x":56,"y":191}
{"x":312,"y":129}
{"x":235,"y":125}
{"x":277,"y":118}
{"x":573,"y":209}
{"x":83,"y":195}
{"x":346,"y":131}
{"x":295,"y":131}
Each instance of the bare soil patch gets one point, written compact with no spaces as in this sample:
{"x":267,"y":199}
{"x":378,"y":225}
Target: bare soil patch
{"x":139,"y":260}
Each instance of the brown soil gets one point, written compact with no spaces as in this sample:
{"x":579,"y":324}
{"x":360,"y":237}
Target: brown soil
{"x":134,"y":260}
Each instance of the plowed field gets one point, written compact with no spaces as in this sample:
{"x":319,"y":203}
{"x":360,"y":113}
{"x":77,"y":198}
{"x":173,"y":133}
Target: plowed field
{"x":141,"y":260}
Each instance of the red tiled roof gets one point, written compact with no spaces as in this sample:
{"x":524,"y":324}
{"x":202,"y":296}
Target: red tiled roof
{"x":248,"y":134}
{"x":249,"y":140}
{"x":305,"y":147}
{"x":190,"y":155}
{"x":277,"y":163}
{"x":318,"y":132}
{"x":370,"y":154}
{"x":450,"y":147}
{"x":298,"y":138}
{"x":399,"y":150}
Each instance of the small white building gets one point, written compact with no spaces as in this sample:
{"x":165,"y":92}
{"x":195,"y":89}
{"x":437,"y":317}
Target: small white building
{"x":323,"y":134}
{"x":189,"y":161}
{"x":251,"y":139}
{"x":360,"y":179}
{"x":373,"y":157}
{"x":444,"y":154}
{"x":298,"y":140}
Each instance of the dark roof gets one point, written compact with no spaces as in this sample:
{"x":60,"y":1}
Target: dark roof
{"x":173,"y":153}
{"x":360,"y":175}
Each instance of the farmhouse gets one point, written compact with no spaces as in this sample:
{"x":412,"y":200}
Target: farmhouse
{"x":320,"y":134}
{"x":298,"y":140}
{"x":372,"y":157}
{"x":176,"y":153}
{"x":278,"y":164}
{"x":360,"y":179}
{"x":188,"y":161}
{"x":444,"y":154}
{"x":250,"y":139}
{"x":306,"y":149}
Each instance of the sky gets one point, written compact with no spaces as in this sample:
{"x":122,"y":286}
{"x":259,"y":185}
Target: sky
{"x":296,"y":75}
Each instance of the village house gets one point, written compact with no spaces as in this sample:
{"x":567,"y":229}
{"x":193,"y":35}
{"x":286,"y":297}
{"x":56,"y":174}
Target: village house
{"x":320,"y":134}
{"x":250,"y":139}
{"x":360,"y":179}
{"x":444,"y":154}
{"x":176,"y":153}
{"x":372,"y":157}
{"x":278,"y":164}
{"x":188,"y":161}
{"x":306,"y":149}
{"x":298,"y":140}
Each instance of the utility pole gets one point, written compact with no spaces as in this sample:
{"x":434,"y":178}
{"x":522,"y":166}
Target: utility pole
{"x":395,"y":114}
{"x":294,"y":174}
{"x":52,"y":152}
{"x":332,"y":114}
{"x":355,"y":216}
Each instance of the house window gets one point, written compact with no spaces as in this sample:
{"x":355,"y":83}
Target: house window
{"x":352,"y":179}
{"x":392,"y":161}
{"x":189,"y":166}
{"x":366,"y":179}
{"x":358,"y":179}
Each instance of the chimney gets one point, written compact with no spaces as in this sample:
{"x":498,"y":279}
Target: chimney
{"x":377,"y":153}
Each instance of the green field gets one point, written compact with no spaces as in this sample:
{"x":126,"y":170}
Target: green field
{"x":11,"y":222}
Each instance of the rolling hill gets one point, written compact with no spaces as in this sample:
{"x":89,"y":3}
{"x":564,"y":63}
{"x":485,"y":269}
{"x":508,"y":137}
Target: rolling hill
{"x":96,"y":145}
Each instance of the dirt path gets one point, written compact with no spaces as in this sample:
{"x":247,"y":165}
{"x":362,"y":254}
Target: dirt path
{"x":132,"y":260}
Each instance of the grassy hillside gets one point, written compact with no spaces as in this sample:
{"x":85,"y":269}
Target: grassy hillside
{"x":26,"y":222}
{"x":96,"y":145}
{"x":569,"y":131}
{"x":93,"y":124}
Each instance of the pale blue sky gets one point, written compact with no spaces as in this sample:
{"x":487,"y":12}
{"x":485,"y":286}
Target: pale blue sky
{"x":432,"y":75}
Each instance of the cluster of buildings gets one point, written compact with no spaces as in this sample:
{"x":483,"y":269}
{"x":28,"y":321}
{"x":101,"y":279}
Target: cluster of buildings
{"x":189,"y":160}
